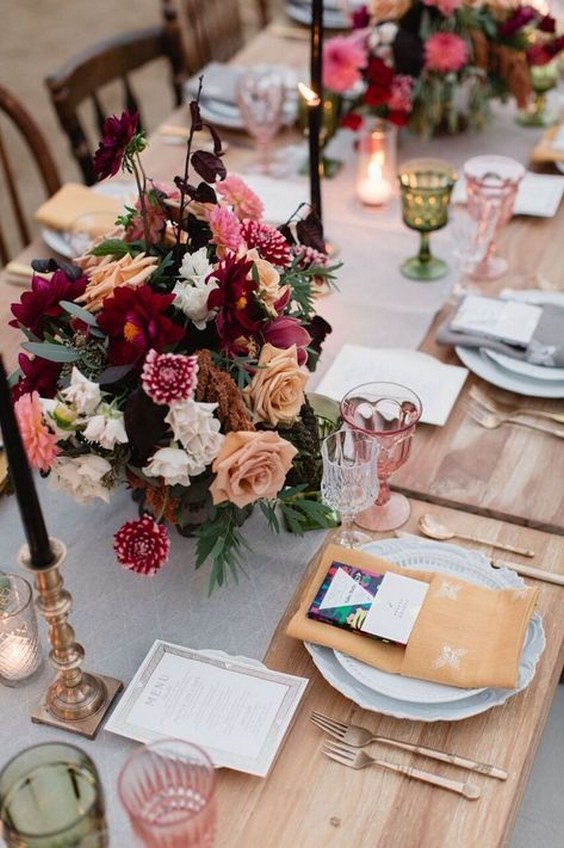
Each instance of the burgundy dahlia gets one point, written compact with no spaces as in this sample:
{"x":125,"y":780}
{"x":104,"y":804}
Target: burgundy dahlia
{"x":142,"y":546}
{"x":238,"y":315}
{"x":270,"y":243}
{"x":38,"y":306}
{"x":167,"y":377}
{"x":116,"y":135}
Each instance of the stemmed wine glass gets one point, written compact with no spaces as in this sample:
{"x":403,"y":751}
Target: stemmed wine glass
{"x":388,"y":412}
{"x":260,"y":95}
{"x":350,"y":480}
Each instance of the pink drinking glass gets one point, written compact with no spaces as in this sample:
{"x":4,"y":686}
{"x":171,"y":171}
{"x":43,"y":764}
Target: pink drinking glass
{"x":168,"y":791}
{"x":492,"y":183}
{"x":389,"y":413}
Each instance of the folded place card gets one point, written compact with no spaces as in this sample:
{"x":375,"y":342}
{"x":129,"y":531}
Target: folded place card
{"x":383,"y":606}
{"x":235,"y":708}
{"x":437,"y":384}
{"x":506,"y":320}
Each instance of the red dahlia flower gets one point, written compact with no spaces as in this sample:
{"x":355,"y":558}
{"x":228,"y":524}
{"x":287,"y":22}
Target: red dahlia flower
{"x":142,"y":546}
{"x":116,"y":135}
{"x":234,"y":298}
{"x":39,"y":375}
{"x":38,"y":306}
{"x":134,"y":321}
{"x":380,"y":78}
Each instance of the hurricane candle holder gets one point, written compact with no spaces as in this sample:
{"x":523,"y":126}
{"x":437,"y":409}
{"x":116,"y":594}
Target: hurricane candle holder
{"x":376,"y":163}
{"x":20,"y":649}
{"x":425,"y":186}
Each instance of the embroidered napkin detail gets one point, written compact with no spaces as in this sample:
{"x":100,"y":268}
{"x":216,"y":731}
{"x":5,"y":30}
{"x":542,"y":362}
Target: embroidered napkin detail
{"x":465,"y":635}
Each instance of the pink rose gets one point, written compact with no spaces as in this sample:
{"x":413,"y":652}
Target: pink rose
{"x":249,"y":466}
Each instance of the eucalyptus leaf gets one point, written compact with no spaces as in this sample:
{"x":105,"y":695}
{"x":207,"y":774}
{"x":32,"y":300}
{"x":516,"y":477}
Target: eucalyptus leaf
{"x":52,"y":352}
{"x":79,"y":312}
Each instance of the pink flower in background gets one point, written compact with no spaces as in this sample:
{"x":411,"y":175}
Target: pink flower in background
{"x":401,"y":94}
{"x":445,"y":52}
{"x":226,"y":230}
{"x":343,"y":59}
{"x":236,"y":192}
{"x":169,"y":377}
{"x":446,"y":7}
{"x":142,"y":546}
{"x":40,"y":443}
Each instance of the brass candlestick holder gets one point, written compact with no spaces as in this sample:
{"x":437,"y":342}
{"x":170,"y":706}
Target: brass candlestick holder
{"x":75,"y":701}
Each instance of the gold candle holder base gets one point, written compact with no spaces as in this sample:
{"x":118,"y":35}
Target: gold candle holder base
{"x":76,"y":701}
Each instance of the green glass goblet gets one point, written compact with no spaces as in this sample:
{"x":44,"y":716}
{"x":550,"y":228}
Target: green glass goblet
{"x":425,"y":189}
{"x":543,"y":79}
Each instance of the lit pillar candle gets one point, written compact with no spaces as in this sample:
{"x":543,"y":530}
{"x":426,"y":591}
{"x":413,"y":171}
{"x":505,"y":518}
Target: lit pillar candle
{"x":40,"y":551}
{"x":376,"y":164}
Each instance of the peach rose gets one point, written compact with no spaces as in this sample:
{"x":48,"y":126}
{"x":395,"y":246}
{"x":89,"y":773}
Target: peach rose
{"x":276,"y":393}
{"x":269,"y":289}
{"x":251,"y":465}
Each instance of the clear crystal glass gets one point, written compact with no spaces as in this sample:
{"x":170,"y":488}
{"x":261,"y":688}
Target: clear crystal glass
{"x":350,"y":480}
{"x":168,"y":791}
{"x":20,"y":650}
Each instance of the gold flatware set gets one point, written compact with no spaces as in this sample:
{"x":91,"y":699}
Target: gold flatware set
{"x":491,"y":415}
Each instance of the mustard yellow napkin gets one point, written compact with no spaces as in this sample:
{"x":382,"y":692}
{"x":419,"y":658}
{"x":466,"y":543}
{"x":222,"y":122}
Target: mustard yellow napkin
{"x":71,"y":202}
{"x":465,"y":635}
{"x":544,"y":150}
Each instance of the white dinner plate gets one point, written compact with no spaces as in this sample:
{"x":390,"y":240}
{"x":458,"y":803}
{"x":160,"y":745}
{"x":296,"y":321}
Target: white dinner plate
{"x":526,"y":369}
{"x":481,"y":365}
{"x":59,"y":241}
{"x":468,"y":565}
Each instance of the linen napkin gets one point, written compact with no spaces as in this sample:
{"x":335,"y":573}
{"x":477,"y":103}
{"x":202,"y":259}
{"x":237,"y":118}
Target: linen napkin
{"x":550,"y":148}
{"x":465,"y":635}
{"x":546,"y":346}
{"x":73,"y":200}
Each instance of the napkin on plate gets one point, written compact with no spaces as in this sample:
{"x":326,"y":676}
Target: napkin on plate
{"x":71,"y":201}
{"x":550,"y":148}
{"x":465,"y":635}
{"x":546,"y":346}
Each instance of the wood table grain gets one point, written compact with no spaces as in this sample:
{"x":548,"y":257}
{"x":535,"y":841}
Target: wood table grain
{"x":309,"y":801}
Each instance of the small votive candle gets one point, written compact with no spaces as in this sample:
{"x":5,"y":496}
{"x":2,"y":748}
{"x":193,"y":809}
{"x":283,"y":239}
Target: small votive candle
{"x":20,"y":650}
{"x":376,"y":163}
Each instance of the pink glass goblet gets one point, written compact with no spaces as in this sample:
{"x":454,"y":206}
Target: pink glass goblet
{"x":389,"y":413}
{"x":491,"y":187}
{"x":168,"y":791}
{"x":260,"y":95}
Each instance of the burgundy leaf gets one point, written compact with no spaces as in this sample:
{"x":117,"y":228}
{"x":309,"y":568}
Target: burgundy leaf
{"x":310,"y":232}
{"x":217,"y":144}
{"x":208,"y":166}
{"x":144,"y":423}
{"x":205,"y":194}
{"x":195,"y":116}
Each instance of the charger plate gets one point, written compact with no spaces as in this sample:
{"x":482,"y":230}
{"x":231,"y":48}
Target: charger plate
{"x":449,"y":559}
{"x":483,"y":366}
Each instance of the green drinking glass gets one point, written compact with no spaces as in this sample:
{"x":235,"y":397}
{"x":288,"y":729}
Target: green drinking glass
{"x":543,"y":79}
{"x":51,"y":797}
{"x":425,"y":189}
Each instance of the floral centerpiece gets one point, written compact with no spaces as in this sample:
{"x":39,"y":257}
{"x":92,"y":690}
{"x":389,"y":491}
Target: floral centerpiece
{"x":171,"y":357}
{"x":435,"y":64}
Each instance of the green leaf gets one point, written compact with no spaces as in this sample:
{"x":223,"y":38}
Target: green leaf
{"x":79,"y":312}
{"x":52,"y":352}
{"x":112,"y":247}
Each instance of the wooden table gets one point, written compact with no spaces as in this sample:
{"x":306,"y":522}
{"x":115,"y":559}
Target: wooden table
{"x":512,"y":474}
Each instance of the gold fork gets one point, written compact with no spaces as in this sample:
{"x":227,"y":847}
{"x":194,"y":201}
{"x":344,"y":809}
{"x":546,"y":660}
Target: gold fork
{"x":512,"y":410}
{"x":359,"y":759}
{"x":492,"y":420}
{"x":358,"y":737}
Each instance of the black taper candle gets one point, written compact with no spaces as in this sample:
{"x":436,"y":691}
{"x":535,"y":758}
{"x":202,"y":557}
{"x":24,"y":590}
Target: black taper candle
{"x":316,"y":109}
{"x":40,"y":551}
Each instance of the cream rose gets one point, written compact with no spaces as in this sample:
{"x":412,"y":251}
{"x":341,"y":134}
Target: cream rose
{"x":276,"y":393}
{"x":269,"y":288}
{"x":249,"y":466}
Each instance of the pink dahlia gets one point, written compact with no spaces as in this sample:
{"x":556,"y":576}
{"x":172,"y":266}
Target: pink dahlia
{"x":142,"y":546}
{"x":40,"y":444}
{"x":226,"y":230}
{"x":445,"y":52}
{"x":167,"y":377}
{"x":236,"y":192}
{"x":269,"y":242}
{"x":343,"y":59}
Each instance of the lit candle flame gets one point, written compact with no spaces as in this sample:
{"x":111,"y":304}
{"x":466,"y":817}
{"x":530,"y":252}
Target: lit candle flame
{"x":374,"y":170}
{"x":311,"y":98}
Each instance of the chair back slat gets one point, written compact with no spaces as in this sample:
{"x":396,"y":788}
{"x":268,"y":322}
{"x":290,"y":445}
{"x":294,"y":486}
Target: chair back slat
{"x":28,"y":131}
{"x":218,"y":27}
{"x":84,"y":75}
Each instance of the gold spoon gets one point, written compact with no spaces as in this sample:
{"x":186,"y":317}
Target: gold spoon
{"x":432,"y":528}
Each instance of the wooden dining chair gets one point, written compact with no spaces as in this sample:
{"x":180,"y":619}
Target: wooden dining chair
{"x":82,"y":77}
{"x":20,"y":126}
{"x":217,"y":25}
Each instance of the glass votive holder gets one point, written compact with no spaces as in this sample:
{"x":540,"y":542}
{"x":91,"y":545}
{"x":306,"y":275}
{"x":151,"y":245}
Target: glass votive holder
{"x":376,"y":163}
{"x":20,"y":649}
{"x":51,"y":795}
{"x":168,"y":791}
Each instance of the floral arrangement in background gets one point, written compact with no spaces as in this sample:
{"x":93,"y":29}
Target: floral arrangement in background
{"x":172,"y":357}
{"x":435,"y":64}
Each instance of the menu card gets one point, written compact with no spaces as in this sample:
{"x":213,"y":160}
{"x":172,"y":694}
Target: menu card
{"x":235,"y":708}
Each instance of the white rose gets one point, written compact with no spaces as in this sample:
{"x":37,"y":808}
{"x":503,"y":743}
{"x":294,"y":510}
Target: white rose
{"x":192,"y":300}
{"x":195,"y":267}
{"x":197,"y":429}
{"x":172,"y":464}
{"x":81,"y":476}
{"x":388,"y":32}
{"x":82,"y":393}
{"x":106,"y":427}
